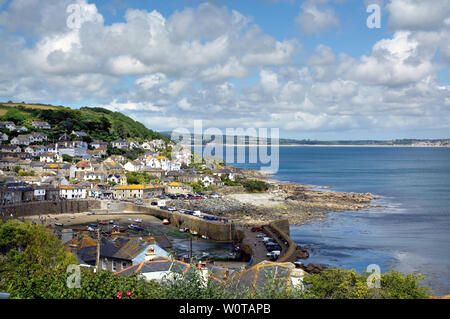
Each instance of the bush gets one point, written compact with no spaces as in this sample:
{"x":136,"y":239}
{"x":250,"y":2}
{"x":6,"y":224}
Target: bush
{"x":255,"y":186}
{"x":335,"y":283}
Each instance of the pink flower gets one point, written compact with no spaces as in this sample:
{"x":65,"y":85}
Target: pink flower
{"x":128,"y":293}
{"x":119,"y":295}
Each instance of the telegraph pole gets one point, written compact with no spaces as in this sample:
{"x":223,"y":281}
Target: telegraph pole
{"x":98,"y":250}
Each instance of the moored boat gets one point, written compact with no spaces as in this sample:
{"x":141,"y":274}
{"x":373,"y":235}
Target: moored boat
{"x":165,"y":221}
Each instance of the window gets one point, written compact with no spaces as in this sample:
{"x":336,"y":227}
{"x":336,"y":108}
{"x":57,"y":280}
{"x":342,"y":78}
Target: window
{"x":114,"y":267}
{"x":104,"y":263}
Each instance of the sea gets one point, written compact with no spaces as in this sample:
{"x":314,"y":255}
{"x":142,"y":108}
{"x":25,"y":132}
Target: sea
{"x":408,"y":232}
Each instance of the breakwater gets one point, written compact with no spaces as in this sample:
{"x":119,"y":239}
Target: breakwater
{"x":50,"y":207}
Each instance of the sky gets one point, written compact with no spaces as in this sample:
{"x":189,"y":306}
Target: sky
{"x":314,"y":68}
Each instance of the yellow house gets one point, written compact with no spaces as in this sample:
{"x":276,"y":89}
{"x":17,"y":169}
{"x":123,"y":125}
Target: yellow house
{"x":177,"y":188}
{"x":139,"y":191}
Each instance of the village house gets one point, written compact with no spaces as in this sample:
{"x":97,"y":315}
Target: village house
{"x":112,"y":167}
{"x":45,"y":192}
{"x":72,"y":192}
{"x":19,"y":128}
{"x":97,"y":153}
{"x":60,"y":169}
{"x":97,"y":143}
{"x":8,"y":125}
{"x":38,"y":137}
{"x":15,"y":193}
{"x":147,"y":146}
{"x":120,"y":144}
{"x":137,"y":191}
{"x":133,"y":145}
{"x":116,"y":253}
{"x":158,"y":173}
{"x":93,"y":176}
{"x":49,"y":157}
{"x":117,"y":179}
{"x":158,"y":144}
{"x":4,"y":136}
{"x":10,"y":148}
{"x":22,"y":140}
{"x":72,"y":148}
{"x":177,"y":188}
{"x":227,"y":173}
{"x":41,"y":125}
{"x":37,"y":150}
{"x":133,"y":166}
{"x":79,"y":134}
{"x":8,"y":163}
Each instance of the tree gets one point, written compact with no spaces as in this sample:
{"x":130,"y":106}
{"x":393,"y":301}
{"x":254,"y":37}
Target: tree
{"x":67,"y":158}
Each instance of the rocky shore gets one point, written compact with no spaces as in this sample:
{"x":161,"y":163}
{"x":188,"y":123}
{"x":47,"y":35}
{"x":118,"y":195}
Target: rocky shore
{"x":298,"y":203}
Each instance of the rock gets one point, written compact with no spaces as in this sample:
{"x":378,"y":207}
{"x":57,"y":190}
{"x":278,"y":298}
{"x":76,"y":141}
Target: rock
{"x":313,"y":268}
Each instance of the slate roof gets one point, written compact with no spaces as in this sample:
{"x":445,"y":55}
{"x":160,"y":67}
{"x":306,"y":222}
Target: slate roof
{"x":120,"y":248}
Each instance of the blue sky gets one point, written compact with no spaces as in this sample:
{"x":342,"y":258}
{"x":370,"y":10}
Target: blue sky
{"x":311,"y":68}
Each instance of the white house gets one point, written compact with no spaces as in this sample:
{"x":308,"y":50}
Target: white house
{"x":133,"y":166}
{"x":41,"y":125}
{"x":72,"y":192}
{"x":92,"y":176}
{"x":117,"y":179}
{"x":3,"y":136}
{"x":49,"y":157}
{"x":121,"y":144}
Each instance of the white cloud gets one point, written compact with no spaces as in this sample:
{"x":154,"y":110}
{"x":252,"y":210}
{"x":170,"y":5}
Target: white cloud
{"x":313,"y":19}
{"x":216,"y":64}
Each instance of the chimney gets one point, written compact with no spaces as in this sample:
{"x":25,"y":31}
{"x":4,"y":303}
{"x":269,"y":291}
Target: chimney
{"x":150,"y":254}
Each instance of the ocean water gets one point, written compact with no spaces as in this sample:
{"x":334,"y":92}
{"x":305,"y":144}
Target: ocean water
{"x":410,"y":232}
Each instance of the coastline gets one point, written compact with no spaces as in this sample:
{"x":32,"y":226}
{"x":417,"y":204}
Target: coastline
{"x":299,"y":204}
{"x":323,"y":145}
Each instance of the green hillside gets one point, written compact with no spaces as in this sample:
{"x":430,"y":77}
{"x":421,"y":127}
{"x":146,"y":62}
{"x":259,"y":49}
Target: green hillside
{"x":98,"y":123}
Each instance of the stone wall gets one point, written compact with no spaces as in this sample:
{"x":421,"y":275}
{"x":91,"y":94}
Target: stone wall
{"x":212,"y":229}
{"x":51,"y":207}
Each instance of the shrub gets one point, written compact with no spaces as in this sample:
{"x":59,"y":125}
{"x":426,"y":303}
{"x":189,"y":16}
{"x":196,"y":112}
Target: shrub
{"x":255,"y":186}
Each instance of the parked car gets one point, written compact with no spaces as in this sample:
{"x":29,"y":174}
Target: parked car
{"x":274,"y":254}
{"x":138,"y":202}
{"x":172,"y":209}
{"x":154,"y":203}
{"x":256,"y":229}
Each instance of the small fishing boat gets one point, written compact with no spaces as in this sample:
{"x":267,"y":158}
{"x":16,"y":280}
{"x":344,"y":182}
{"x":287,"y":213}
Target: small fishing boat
{"x":205,"y":237}
{"x":111,"y":222}
{"x":93,"y":225}
{"x":90,"y":229}
{"x":80,"y":229}
{"x":59,"y":224}
{"x":72,"y":217}
{"x":103,"y":222}
{"x":138,"y":220}
{"x":135,"y":227}
{"x":165,"y":222}
{"x":193,"y":232}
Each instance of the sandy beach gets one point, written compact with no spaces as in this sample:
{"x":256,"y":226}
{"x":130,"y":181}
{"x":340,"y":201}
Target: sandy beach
{"x":86,"y":217}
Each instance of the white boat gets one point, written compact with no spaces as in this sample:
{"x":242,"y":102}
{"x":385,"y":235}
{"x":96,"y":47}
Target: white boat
{"x":193,"y":232}
{"x":205,"y":237}
{"x":165,"y":221}
{"x":90,"y":229}
{"x":138,"y":220}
